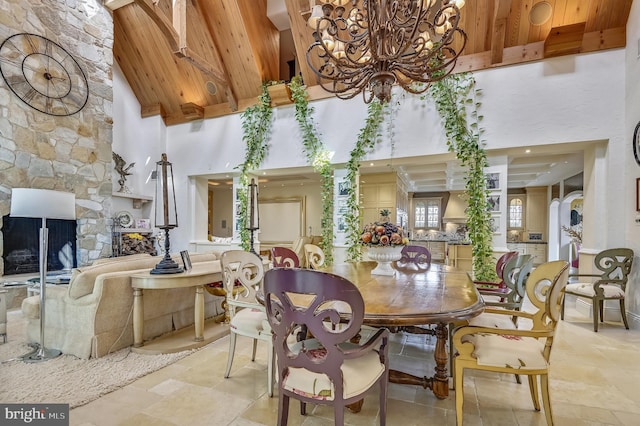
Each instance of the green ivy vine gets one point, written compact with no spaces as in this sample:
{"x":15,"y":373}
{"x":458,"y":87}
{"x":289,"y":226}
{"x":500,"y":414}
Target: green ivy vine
{"x":365,"y":143}
{"x":256,"y":132}
{"x":319,"y":158}
{"x":453,"y":96}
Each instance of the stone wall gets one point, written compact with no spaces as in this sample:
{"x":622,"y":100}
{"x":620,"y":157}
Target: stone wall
{"x":70,"y":153}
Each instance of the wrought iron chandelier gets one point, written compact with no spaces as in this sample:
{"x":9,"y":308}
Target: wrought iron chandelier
{"x":369,"y":45}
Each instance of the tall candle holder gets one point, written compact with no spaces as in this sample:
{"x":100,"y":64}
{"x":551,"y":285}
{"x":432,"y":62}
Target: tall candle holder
{"x":253,"y":219}
{"x":166,"y":215}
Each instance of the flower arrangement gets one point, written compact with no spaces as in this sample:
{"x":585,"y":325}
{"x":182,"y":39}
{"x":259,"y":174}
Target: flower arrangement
{"x":383,"y":234}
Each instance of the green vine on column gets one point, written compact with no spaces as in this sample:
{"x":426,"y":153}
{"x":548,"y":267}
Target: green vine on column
{"x":256,"y":128}
{"x":452,"y":96}
{"x":319,"y":158}
{"x":365,"y":143}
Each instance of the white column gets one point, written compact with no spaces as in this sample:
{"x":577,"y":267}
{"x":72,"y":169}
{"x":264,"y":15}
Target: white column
{"x":500,"y":165}
{"x":339,"y":211}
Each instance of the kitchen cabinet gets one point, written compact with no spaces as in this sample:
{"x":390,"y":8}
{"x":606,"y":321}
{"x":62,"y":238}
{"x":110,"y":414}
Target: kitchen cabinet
{"x":378,"y":192}
{"x":436,"y":248}
{"x":536,"y":211}
{"x":538,"y":251}
{"x":461,"y":257}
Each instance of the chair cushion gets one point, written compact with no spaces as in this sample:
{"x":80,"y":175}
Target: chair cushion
{"x":248,"y":320}
{"x":518,"y":352}
{"x":359,"y":374}
{"x":586,"y":289}
{"x":493,"y":320}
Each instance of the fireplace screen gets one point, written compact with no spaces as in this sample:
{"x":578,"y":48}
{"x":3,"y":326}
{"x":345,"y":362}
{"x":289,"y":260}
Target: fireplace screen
{"x":20,"y":237}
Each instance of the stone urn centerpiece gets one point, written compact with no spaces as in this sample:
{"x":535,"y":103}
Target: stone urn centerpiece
{"x":384,"y":241}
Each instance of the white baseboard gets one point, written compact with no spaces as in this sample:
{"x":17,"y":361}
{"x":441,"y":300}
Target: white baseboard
{"x":611,"y":311}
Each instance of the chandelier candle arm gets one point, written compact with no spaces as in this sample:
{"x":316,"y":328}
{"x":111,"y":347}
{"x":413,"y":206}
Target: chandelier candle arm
{"x":367,"y":50}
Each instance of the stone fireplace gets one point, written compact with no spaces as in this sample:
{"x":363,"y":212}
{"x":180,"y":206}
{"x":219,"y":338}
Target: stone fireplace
{"x":21,"y":242}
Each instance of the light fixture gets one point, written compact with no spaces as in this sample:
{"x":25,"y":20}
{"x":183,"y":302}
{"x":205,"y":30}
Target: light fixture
{"x":166,"y":215}
{"x":253,"y":218}
{"x":43,"y":204}
{"x":370,"y":45}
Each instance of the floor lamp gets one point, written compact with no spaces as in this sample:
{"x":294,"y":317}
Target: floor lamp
{"x":44,"y":204}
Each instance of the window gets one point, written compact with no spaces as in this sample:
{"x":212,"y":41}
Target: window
{"x":515,"y":213}
{"x":420,"y":214}
{"x":427,"y":213}
{"x":433,"y":214}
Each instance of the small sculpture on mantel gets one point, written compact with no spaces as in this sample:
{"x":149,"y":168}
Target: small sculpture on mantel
{"x":123,"y":171}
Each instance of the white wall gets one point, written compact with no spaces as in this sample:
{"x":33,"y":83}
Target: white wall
{"x":632,"y":115}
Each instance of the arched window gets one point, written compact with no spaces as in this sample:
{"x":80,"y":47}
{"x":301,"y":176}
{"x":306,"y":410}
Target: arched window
{"x":515,"y":213}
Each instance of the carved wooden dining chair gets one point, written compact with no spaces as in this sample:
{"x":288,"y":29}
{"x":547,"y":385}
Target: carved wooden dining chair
{"x":514,"y":277}
{"x":413,"y":255}
{"x":610,"y":284}
{"x":242,"y":274}
{"x":516,"y":351}
{"x":516,"y":273}
{"x":283,"y":257}
{"x":314,"y":256}
{"x":501,"y":263}
{"x":327,"y":368}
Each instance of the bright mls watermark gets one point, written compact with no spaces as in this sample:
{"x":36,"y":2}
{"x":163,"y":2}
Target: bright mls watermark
{"x":34,"y":414}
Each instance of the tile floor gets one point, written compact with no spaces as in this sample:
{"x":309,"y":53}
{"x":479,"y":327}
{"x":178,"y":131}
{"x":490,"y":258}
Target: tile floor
{"x":594,"y":381}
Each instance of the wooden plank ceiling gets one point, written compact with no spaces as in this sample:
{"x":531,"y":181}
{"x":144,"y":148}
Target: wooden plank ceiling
{"x":192,"y":59}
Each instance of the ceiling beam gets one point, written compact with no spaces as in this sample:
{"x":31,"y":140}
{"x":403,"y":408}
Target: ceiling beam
{"x":512,"y":55}
{"x":151,"y":110}
{"x":116,"y":4}
{"x":175,"y":32}
{"x":302,"y":38}
{"x":502,"y":8}
{"x":192,"y":111}
{"x":263,"y":36}
{"x":564,"y":40}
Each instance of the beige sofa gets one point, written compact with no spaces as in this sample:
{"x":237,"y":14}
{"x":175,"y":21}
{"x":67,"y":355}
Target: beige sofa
{"x":93,"y":315}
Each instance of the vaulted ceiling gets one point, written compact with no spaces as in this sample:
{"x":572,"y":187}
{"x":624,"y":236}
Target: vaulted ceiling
{"x":193,"y":59}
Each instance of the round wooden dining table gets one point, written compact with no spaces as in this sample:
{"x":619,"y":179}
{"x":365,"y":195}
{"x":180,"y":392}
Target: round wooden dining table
{"x":414,"y":297}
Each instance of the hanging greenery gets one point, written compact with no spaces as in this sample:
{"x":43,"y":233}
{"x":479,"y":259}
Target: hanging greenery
{"x":365,"y":143}
{"x":319,"y":158}
{"x":456,"y":100}
{"x":256,"y":131}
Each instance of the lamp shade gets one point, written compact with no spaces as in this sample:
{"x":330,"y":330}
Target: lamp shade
{"x":42,"y":203}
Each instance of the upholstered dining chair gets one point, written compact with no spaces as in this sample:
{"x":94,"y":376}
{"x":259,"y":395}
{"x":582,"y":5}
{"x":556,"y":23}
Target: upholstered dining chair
{"x":412,"y":255}
{"x":610,"y":284}
{"x":516,"y":351}
{"x":314,"y":256}
{"x":283,"y":257}
{"x":242,"y":275}
{"x":511,"y":296}
{"x":325,"y":369}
